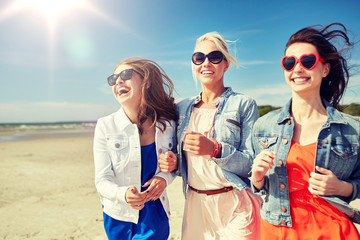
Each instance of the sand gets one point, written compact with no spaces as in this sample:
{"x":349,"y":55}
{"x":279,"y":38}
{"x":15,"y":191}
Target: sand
{"x":47,"y":191}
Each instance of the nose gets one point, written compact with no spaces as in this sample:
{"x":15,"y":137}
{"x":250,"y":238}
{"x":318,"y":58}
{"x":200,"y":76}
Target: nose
{"x":119,"y":80}
{"x":298,"y":67}
{"x":206,"y":62}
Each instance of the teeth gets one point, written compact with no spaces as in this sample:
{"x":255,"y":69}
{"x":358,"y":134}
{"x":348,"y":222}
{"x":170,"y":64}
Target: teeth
{"x":298,"y":80}
{"x":122,"y":91}
{"x":207,"y":72}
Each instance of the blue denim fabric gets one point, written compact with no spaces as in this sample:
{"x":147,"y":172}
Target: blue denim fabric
{"x":234,"y":119}
{"x":337,"y":150}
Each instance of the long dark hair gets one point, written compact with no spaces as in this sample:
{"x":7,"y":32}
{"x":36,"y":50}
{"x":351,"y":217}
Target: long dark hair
{"x":157,"y":103}
{"x":334,"y":84}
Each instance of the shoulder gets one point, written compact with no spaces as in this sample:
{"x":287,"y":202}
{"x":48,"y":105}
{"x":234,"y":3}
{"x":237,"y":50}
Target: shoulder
{"x":184,"y":104}
{"x":242,"y":98}
{"x":353,"y":121}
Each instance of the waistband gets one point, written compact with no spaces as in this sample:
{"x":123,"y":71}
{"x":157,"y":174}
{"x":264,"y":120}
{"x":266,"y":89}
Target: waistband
{"x":212,"y":192}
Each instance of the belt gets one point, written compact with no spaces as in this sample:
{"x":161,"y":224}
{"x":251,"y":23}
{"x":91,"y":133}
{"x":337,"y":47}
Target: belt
{"x":212,"y":192}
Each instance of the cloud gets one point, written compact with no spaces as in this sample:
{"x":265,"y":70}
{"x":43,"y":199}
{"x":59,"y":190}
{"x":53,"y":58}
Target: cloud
{"x":270,"y":95}
{"x":53,"y":111}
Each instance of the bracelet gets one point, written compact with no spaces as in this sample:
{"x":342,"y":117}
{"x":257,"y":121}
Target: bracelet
{"x":258,"y":180}
{"x":216,"y":149}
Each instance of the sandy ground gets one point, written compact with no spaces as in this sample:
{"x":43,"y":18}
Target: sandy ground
{"x":47,"y":192}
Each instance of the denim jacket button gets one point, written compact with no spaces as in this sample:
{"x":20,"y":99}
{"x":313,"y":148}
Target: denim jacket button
{"x":283,"y":209}
{"x":282,"y":186}
{"x":288,"y":122}
{"x":280,"y":162}
{"x":285,"y":141}
{"x":283,"y":222}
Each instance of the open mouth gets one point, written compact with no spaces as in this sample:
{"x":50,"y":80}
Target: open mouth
{"x":207,"y":72}
{"x":300,"y":80}
{"x":122,"y":91}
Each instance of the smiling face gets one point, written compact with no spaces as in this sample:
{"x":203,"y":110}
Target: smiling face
{"x":301,"y":80}
{"x":128,"y":92}
{"x":207,"y":72}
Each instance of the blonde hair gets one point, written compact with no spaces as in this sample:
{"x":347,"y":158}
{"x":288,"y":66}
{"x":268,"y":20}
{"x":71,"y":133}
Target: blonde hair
{"x":220,"y":43}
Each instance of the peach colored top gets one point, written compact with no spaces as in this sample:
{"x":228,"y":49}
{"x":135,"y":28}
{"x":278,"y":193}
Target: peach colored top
{"x":228,"y":215}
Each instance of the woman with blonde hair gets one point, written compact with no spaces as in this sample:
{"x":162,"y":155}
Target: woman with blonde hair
{"x":215,"y":152}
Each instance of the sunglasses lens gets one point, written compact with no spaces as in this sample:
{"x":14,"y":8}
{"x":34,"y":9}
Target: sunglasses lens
{"x":112,"y":79}
{"x":288,"y":63}
{"x":126,"y":74}
{"x":308,"y":61}
{"x":198,"y":58}
{"x":215,"y":57}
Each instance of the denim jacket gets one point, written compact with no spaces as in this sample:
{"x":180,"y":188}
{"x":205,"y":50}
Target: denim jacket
{"x":337,"y":150}
{"x":234,"y":119}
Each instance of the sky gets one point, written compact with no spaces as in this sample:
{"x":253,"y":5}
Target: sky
{"x":55,"y":55}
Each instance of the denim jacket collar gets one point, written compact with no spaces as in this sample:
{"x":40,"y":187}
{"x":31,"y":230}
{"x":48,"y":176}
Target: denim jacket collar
{"x":334,"y":115}
{"x":220,"y":99}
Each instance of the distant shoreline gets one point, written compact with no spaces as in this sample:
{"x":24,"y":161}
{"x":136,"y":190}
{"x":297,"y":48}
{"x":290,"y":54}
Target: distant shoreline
{"x":38,"y":131}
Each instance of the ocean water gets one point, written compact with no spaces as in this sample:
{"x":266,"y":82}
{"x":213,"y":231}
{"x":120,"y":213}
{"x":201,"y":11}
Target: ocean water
{"x":36,"y":131}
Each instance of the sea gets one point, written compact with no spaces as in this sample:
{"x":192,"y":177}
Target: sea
{"x":10,"y":132}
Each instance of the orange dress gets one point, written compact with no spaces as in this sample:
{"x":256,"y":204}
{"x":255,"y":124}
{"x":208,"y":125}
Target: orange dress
{"x":312,"y":216}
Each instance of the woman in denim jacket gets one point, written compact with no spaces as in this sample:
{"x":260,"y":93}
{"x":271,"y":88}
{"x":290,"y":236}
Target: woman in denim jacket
{"x":308,"y":161}
{"x":126,"y":148}
{"x":215,"y":151}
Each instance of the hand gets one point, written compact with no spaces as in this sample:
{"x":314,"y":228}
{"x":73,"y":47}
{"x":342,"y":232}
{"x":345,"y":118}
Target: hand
{"x":326,"y":183}
{"x":198,"y":144}
{"x":262,"y":163}
{"x":156,"y":187}
{"x":167,"y":162}
{"x":135,"y":199}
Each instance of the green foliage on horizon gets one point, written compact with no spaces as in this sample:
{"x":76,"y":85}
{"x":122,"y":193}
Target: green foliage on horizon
{"x":352,"y":109}
{"x":265,"y":109}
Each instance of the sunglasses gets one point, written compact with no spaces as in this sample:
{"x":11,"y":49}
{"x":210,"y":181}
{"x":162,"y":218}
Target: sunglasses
{"x":214,"y":57}
{"x":307,"y":61}
{"x":124,"y":75}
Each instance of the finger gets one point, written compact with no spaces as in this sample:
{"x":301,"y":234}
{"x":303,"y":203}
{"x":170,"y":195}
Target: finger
{"x":323,"y":170}
{"x":317,"y":176}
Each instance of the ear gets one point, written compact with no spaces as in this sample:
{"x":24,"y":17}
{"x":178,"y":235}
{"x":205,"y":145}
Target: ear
{"x":226,"y":67}
{"x":326,"y":70}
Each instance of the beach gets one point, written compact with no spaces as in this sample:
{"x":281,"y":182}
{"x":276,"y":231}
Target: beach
{"x":48,"y":192}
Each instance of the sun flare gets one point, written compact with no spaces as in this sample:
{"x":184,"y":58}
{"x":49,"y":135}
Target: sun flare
{"x":53,"y":8}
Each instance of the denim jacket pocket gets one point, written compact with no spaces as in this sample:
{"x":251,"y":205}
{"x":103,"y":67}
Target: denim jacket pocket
{"x":118,"y":148}
{"x":342,"y":159}
{"x":267,"y":142}
{"x":231,"y":131}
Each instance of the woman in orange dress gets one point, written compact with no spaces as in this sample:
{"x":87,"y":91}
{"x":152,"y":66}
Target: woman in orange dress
{"x":308,"y":155}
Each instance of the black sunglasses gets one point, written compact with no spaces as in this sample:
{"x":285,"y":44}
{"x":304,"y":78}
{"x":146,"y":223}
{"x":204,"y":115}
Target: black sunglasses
{"x":124,"y":75}
{"x":214,"y":57}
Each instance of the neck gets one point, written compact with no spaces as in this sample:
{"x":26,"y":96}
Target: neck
{"x":305,"y":109}
{"x":209,"y":95}
{"x":132,"y":114}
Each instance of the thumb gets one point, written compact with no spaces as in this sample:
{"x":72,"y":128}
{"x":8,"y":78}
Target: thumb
{"x":133,"y":190}
{"x":323,"y":170}
{"x":147,"y":183}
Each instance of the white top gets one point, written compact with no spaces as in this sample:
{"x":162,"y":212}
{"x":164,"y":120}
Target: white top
{"x":117,"y":158}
